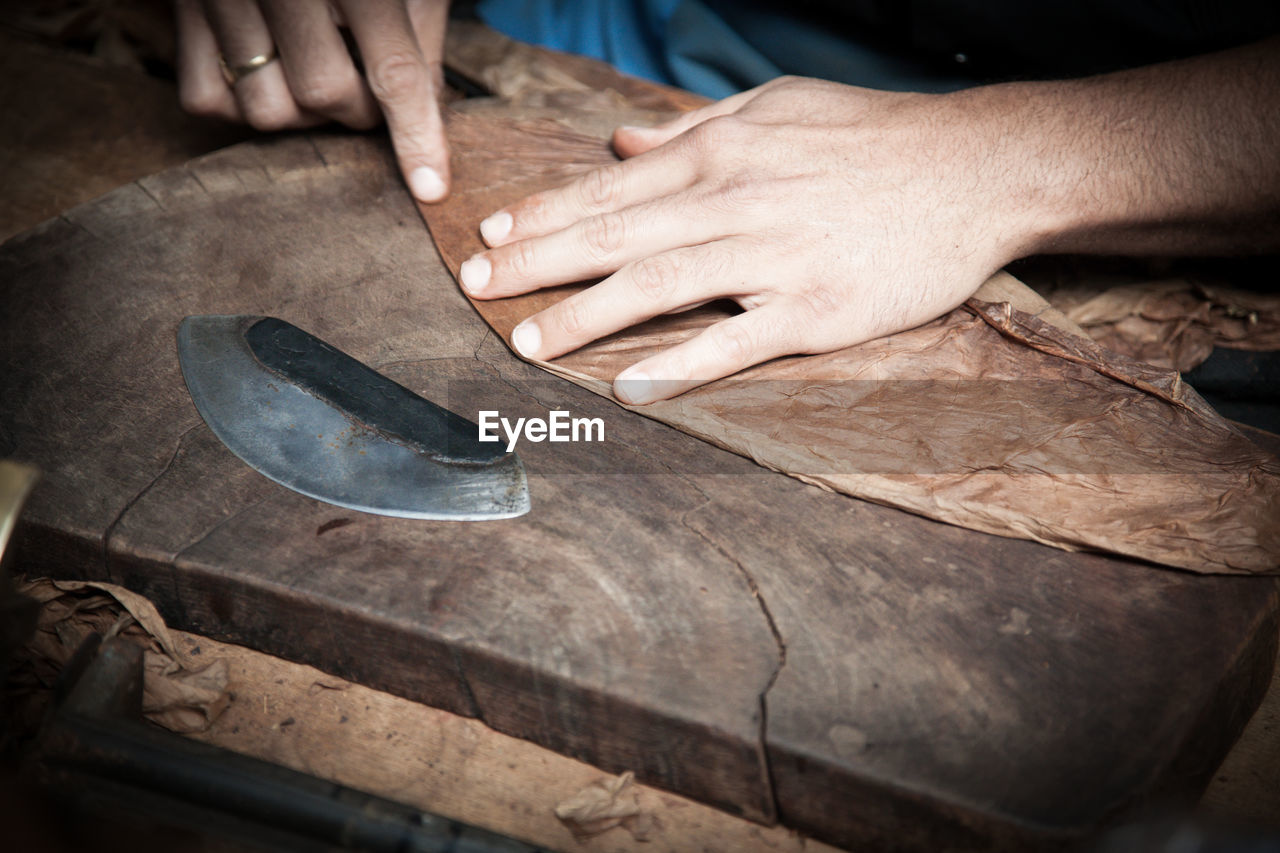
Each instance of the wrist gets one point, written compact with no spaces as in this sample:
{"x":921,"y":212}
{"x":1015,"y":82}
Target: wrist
{"x":1038,"y":182}
{"x":1172,"y":159}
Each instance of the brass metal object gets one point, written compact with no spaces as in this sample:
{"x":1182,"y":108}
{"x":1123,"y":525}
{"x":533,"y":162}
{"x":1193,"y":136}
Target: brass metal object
{"x":16,"y":482}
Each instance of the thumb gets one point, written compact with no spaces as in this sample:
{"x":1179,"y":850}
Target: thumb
{"x":629,"y":141}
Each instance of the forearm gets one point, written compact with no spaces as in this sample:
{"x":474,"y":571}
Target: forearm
{"x":1180,"y":158}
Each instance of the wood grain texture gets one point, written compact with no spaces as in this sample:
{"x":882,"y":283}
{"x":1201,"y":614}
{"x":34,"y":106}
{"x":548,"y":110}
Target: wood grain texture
{"x":133,"y":474}
{"x":110,"y":126}
{"x":731,"y":634}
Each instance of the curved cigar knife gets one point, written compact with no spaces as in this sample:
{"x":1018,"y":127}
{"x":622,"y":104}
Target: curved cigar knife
{"x":316,"y":420}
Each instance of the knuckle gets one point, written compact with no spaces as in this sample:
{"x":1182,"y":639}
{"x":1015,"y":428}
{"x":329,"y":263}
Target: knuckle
{"x":324,"y":94}
{"x":266,"y":115}
{"x":200,"y":100}
{"x":572,"y":316}
{"x":740,"y":194}
{"x":530,"y":214}
{"x":604,"y":235}
{"x":821,"y":300}
{"x":716,"y":134}
{"x":601,"y":187}
{"x":720,"y":264}
{"x":521,"y":260}
{"x":655,"y":276}
{"x":396,"y":77}
{"x":779,"y":88}
{"x":790,"y":333}
{"x":733,"y":342}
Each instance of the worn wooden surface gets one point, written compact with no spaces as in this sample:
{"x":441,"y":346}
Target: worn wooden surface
{"x":106,"y":127}
{"x":865,"y":675}
{"x":87,"y":350}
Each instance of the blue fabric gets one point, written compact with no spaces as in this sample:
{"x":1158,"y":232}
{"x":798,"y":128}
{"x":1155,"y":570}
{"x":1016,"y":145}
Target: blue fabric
{"x":719,"y":47}
{"x":627,"y":33}
{"x":678,"y":42}
{"x":687,"y":43}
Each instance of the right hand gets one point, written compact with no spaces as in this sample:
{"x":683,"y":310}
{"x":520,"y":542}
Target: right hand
{"x":401,"y":43}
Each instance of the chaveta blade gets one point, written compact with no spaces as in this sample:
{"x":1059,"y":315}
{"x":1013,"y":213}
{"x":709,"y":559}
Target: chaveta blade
{"x":316,"y":420}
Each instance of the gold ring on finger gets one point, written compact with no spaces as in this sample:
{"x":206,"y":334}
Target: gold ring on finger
{"x":236,"y":73}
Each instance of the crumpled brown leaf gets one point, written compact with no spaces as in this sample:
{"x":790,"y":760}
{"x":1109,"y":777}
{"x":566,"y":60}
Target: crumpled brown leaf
{"x":988,"y":417}
{"x":605,"y":804}
{"x":177,"y":694}
{"x":1175,"y":322}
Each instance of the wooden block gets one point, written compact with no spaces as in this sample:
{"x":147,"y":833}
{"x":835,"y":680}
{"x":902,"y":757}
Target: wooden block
{"x":726,"y":632}
{"x":75,"y":128}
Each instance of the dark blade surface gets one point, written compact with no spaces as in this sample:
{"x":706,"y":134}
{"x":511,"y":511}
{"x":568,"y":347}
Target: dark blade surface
{"x":316,"y":420}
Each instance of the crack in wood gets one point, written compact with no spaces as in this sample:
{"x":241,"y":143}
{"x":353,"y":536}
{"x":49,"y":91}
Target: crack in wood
{"x":779,"y":642}
{"x":409,"y":362}
{"x":484,"y":338}
{"x":195,"y":176}
{"x":80,"y":225}
{"x":319,"y":153}
{"x":473,"y":704}
{"x":149,"y":194}
{"x":109,"y":532}
{"x":523,"y":392}
{"x":215,"y":528}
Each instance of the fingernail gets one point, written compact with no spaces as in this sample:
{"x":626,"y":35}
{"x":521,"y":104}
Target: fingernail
{"x":496,"y":227}
{"x":527,"y":339}
{"x":426,"y":184}
{"x":475,"y":273}
{"x":634,"y":386}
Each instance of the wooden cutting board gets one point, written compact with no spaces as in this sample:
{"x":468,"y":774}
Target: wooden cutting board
{"x":729,"y":633}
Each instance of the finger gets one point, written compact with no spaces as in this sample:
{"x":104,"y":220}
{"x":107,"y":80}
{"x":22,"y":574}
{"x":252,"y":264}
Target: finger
{"x":429,"y":19}
{"x":630,"y":141}
{"x":318,"y":68}
{"x":589,"y":248}
{"x":406,"y":88}
{"x":202,"y":90}
{"x":263,"y":95}
{"x":720,"y":350}
{"x":658,"y":284}
{"x":604,"y":190}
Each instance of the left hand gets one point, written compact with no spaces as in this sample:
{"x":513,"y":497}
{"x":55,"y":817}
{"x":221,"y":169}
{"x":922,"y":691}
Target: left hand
{"x":832,"y":214}
{"x":316,"y":79}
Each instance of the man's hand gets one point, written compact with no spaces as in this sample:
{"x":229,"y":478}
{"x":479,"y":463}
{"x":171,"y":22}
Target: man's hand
{"x":834,"y":214}
{"x":831,"y":214}
{"x":316,"y":79}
